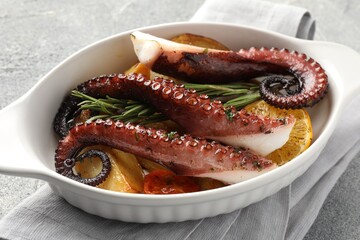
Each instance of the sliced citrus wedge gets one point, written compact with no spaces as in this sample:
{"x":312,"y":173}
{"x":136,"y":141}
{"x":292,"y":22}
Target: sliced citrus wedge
{"x":139,"y":69}
{"x":300,"y":136}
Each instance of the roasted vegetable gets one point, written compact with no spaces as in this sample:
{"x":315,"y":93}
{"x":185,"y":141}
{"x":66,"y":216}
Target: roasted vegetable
{"x":166,"y":182}
{"x":199,"y":41}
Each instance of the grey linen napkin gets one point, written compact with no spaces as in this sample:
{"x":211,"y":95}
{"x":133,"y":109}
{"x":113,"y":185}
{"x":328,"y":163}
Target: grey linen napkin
{"x":289,"y":20}
{"x":287,"y":214}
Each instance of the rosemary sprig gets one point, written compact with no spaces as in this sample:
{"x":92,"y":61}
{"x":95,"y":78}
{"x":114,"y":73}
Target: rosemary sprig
{"x":242,"y":101}
{"x":223,"y":90}
{"x":237,"y":95}
{"x":119,"y":109}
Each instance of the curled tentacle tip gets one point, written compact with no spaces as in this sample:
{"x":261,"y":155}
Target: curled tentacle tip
{"x":286,"y":93}
{"x":66,"y":168}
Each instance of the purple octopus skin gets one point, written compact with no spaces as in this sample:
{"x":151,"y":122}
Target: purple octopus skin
{"x":201,"y":65}
{"x":181,"y":153}
{"x":66,"y":167}
{"x":196,"y":114}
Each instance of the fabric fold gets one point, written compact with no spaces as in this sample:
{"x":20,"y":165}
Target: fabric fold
{"x":285,"y":19}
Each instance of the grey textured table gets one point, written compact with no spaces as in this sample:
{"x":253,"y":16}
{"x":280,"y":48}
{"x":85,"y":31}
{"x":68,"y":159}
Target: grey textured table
{"x":36,"y":35}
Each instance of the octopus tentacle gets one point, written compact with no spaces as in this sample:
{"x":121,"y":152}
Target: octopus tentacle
{"x":196,"y":64}
{"x":69,"y":106}
{"x":183,"y":154}
{"x":65,"y":115}
{"x":65,"y":166}
{"x":196,"y":114}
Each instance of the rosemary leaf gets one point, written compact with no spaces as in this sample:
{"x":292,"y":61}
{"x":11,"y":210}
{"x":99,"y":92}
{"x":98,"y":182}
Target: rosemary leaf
{"x":134,"y":110}
{"x":146,"y":112}
{"x":242,"y":101}
{"x":104,"y":116}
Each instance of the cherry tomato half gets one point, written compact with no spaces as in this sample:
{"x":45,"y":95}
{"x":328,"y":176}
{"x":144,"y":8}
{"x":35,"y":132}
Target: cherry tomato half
{"x":166,"y":182}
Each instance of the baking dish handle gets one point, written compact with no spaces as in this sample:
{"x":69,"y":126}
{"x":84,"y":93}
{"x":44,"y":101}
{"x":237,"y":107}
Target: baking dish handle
{"x":345,"y":62}
{"x":16,"y":158}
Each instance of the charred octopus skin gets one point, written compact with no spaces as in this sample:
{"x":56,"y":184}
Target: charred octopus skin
{"x":195,"y":113}
{"x":183,"y":154}
{"x":202,"y":65}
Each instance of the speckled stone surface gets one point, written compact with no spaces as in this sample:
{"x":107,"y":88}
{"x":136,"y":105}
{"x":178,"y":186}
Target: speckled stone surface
{"x":36,"y":35}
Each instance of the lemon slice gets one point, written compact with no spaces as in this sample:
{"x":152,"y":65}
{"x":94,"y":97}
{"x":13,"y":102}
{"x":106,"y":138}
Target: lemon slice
{"x":300,"y":136}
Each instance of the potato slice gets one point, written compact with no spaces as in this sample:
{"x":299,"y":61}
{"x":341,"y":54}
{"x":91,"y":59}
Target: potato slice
{"x":130,"y":168}
{"x":199,"y":41}
{"x":116,"y":180}
{"x":126,"y":174}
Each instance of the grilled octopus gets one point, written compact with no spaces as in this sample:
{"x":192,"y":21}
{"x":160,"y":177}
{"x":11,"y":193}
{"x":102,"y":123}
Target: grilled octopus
{"x":191,"y":155}
{"x":202,"y":65}
{"x":212,"y":145}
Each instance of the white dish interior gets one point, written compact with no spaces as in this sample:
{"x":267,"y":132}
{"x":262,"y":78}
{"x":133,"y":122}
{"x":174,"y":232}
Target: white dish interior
{"x":31,"y":142}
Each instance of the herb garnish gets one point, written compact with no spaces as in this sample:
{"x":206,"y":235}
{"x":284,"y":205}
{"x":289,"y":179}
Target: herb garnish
{"x":237,"y":95}
{"x":229,"y":114}
{"x":171,"y":135}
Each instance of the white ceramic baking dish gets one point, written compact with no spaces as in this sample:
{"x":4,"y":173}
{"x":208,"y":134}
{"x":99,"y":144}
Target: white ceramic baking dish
{"x":27,"y":141}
